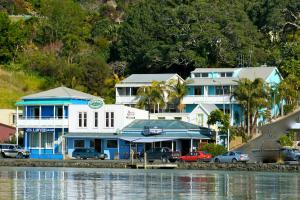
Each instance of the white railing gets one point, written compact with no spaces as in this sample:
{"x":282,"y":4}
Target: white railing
{"x":126,"y":99}
{"x":215,"y":99}
{"x":42,"y":122}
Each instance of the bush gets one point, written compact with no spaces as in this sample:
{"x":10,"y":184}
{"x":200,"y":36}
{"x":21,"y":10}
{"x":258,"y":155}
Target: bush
{"x":214,"y":149}
{"x":287,"y":140}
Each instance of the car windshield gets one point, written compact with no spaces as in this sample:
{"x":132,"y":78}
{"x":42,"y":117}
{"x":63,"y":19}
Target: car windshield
{"x":238,"y":152}
{"x":296,"y":150}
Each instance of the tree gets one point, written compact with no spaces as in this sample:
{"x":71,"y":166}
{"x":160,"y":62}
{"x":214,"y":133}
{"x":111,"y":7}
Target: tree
{"x":177,"y":89}
{"x":220,"y":119}
{"x":160,"y":36}
{"x":287,"y":139}
{"x":253,"y":96}
{"x":151,"y":96}
{"x":214,"y":149}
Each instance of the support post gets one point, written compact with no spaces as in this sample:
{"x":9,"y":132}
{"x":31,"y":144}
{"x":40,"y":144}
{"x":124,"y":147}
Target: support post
{"x":63,"y":133}
{"x":191,"y":145}
{"x":172,"y":145}
{"x":228,"y":142}
{"x":145,"y":160}
{"x":40,"y":142}
{"x":17,"y":127}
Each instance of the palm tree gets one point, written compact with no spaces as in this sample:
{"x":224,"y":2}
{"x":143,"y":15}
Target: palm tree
{"x":151,"y":96}
{"x":253,"y":96}
{"x":289,"y":92}
{"x":176,"y":91}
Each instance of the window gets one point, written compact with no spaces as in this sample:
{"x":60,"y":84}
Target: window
{"x":161,"y":118}
{"x":198,"y":90}
{"x":204,"y":75}
{"x":109,"y":119}
{"x":47,"y":140}
{"x":78,"y":143}
{"x":127,"y":91}
{"x":112,"y":143}
{"x":35,"y":112}
{"x":177,"y":118}
{"x":92,"y":143}
{"x":34,"y":139}
{"x":197,"y":74}
{"x":58,"y":112}
{"x":82,"y":119}
{"x":134,"y":91}
{"x":226,"y":74}
{"x":96,"y":120}
{"x":220,"y":90}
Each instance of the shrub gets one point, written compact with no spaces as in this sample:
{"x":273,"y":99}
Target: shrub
{"x":213,"y":149}
{"x":287,"y":140}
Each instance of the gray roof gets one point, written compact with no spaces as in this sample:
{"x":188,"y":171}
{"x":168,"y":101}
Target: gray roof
{"x":250,"y":73}
{"x":209,"y":107}
{"x":161,"y":123}
{"x":212,"y":81}
{"x":256,"y":72}
{"x":147,"y":78}
{"x":197,"y":70}
{"x":61,"y":92}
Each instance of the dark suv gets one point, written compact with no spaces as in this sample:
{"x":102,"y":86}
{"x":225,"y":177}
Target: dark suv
{"x":290,"y":154}
{"x":164,"y":154}
{"x":8,"y":150}
{"x":85,"y":153}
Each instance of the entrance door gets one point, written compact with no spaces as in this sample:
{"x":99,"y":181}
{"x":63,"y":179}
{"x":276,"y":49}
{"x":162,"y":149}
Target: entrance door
{"x":98,"y":145}
{"x":185,"y":145}
{"x":147,"y":146}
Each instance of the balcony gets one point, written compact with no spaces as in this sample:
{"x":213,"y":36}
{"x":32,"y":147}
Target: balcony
{"x":211,"y":99}
{"x":126,"y":99}
{"x":36,"y":122}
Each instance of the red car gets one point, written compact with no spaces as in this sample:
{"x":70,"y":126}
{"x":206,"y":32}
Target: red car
{"x":196,"y":156}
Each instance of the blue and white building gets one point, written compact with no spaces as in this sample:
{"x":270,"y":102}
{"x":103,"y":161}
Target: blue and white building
{"x":214,"y":86}
{"x":61,"y":119}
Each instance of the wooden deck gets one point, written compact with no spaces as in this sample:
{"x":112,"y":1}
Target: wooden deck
{"x":151,"y":166}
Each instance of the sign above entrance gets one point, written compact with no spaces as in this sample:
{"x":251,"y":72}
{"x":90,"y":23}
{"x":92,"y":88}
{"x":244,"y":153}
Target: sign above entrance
{"x":96,"y":103}
{"x":37,"y":130}
{"x":152,"y":131}
{"x":130,"y":115}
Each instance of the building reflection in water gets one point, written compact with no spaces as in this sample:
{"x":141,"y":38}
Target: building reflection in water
{"x":50,"y":183}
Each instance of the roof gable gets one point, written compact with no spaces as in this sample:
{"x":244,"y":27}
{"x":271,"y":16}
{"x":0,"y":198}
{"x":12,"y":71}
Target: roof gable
{"x":61,"y":93}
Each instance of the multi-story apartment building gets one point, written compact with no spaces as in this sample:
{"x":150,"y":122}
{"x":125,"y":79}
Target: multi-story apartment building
{"x":215,"y":86}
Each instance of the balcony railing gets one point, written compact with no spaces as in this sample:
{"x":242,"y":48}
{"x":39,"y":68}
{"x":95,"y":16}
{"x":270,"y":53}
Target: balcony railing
{"x":42,"y":121}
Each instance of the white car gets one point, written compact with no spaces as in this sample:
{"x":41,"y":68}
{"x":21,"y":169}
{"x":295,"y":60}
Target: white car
{"x":231,"y":157}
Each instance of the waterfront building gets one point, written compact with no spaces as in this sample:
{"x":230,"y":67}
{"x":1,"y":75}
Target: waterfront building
{"x":57,"y":121}
{"x":215,"y":86}
{"x":8,"y":116}
{"x":61,"y":119}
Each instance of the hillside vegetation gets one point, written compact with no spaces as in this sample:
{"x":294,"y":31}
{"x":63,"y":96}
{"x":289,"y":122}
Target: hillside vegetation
{"x":89,"y":44}
{"x":14,"y":85}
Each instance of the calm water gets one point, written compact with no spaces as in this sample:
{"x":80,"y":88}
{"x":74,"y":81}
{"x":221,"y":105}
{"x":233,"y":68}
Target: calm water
{"x":69,"y":183}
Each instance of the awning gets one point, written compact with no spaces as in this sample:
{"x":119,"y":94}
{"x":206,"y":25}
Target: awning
{"x":90,"y":135}
{"x":146,"y":140}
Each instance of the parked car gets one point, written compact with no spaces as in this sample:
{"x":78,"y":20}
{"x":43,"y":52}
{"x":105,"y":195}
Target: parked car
{"x":232,"y":157}
{"x":199,"y":156}
{"x":85,"y":153}
{"x":8,"y":150}
{"x":22,"y":153}
{"x":290,"y":154}
{"x":164,"y":154}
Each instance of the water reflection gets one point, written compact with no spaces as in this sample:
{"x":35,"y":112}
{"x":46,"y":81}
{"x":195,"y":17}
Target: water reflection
{"x":60,"y":183}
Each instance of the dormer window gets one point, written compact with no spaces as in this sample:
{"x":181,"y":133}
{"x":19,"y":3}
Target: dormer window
{"x":226,"y":74}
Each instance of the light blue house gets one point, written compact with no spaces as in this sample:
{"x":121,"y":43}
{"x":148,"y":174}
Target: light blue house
{"x":215,"y":86}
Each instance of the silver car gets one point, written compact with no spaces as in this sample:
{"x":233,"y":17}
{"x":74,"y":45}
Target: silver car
{"x":8,"y":150}
{"x":231,"y":157}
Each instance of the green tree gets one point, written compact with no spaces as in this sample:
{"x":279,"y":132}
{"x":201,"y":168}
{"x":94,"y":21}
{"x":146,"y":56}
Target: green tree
{"x":159,"y":36}
{"x":177,"y":89}
{"x":253,"y":96}
{"x":220,"y":119}
{"x":288,"y":139}
{"x":214,"y":149}
{"x":153,"y":95}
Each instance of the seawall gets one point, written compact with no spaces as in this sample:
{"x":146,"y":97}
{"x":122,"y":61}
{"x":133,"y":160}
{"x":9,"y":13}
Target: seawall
{"x":268,"y":167}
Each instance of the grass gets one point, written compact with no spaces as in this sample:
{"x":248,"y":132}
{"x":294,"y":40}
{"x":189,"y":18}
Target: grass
{"x":14,"y":85}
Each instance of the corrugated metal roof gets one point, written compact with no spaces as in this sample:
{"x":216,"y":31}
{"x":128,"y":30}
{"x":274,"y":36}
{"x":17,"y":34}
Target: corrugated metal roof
{"x":161,"y":123}
{"x":212,"y":81}
{"x":61,"y":92}
{"x":147,"y":78}
{"x":256,"y":72}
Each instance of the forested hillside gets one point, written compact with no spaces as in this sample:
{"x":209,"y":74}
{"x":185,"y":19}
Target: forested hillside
{"x":90,"y":44}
